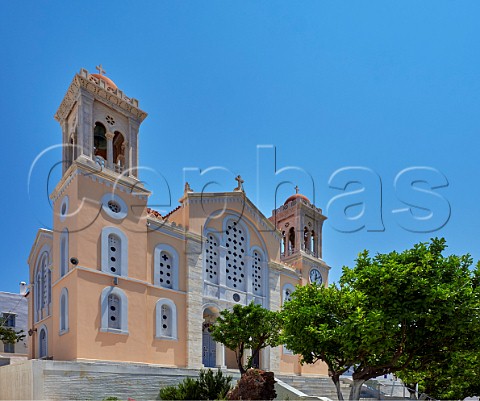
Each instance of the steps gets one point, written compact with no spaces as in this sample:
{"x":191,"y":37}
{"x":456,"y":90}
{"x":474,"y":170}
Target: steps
{"x":320,"y":386}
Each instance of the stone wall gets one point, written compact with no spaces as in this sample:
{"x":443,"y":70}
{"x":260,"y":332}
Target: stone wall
{"x":59,"y":380}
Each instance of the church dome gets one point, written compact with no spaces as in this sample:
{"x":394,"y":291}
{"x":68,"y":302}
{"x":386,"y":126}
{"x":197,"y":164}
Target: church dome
{"x":105,"y":79}
{"x":297,"y":196}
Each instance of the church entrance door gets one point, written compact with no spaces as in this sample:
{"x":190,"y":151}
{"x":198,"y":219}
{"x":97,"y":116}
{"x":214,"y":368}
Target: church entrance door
{"x":209,"y":346}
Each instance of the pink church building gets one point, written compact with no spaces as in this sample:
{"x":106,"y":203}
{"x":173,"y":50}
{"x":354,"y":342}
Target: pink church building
{"x":115,"y":281}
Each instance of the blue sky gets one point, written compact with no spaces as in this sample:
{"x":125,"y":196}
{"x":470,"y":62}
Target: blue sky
{"x":381,"y":85}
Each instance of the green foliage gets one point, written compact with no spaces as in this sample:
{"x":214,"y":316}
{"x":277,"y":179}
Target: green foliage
{"x":247,"y":327}
{"x":214,"y":386}
{"x":188,"y":389}
{"x":208,"y":386}
{"x":453,"y":378}
{"x":10,"y":336}
{"x":390,"y":312}
{"x":111,"y":399}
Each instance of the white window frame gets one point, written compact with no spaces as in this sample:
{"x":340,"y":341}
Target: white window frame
{"x":123,"y":310}
{"x":246,"y":267}
{"x":123,"y":251}
{"x":218,"y":237}
{"x":263,"y":271}
{"x":39,"y":285}
{"x":286,"y":287}
{"x":64,"y":252}
{"x":158,"y":319}
{"x":156,"y":265}
{"x":110,"y":196}
{"x":65,"y":203}
{"x":63,"y":313}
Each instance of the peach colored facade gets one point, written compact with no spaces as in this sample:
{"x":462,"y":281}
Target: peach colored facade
{"x":116,"y":281}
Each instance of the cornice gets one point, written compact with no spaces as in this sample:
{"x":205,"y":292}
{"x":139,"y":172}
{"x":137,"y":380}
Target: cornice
{"x":263,"y":223}
{"x":115,"y":98}
{"x":41,"y":233}
{"x":87,"y":168}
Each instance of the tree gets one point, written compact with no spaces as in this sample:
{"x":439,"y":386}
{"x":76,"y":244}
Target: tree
{"x":317,"y":325}
{"x":451,"y":375}
{"x":9,"y":335}
{"x":456,"y":377}
{"x":401,"y":307}
{"x":247,"y":327}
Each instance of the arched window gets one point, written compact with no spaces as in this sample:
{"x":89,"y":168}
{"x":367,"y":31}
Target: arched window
{"x":283,"y":244}
{"x":287,"y":292}
{"x":114,"y":252}
{"x":257,"y":272}
{"x":64,"y":253}
{"x":165,"y":273}
{"x":118,"y":150}
{"x":43,"y":343}
{"x":42,"y":286}
{"x":291,"y":241}
{"x":166,"y":319}
{"x":64,"y":311}
{"x":114,"y":318}
{"x":236,"y":243}
{"x":306,"y":239}
{"x":313,"y":247}
{"x":100,"y":140}
{"x":114,"y":307}
{"x":212,"y":259}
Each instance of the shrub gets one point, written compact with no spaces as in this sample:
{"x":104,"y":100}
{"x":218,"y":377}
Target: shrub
{"x":214,"y":386}
{"x":208,"y":386}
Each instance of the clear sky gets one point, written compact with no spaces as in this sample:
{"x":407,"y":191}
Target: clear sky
{"x":379,"y":85}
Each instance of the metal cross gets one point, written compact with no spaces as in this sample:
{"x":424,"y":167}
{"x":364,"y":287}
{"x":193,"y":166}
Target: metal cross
{"x":297,"y":189}
{"x":100,"y":69}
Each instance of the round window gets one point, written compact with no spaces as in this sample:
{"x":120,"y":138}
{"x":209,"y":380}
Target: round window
{"x":114,"y":206}
{"x":236,"y":297}
{"x":64,"y":208}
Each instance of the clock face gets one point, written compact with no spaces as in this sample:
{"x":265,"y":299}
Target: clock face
{"x":315,"y":276}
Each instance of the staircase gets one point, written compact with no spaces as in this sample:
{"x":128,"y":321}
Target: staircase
{"x":316,"y":386}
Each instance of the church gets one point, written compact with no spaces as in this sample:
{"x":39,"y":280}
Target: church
{"x":116,"y":281}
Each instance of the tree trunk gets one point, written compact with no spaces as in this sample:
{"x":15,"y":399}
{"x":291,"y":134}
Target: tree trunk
{"x":411,"y":390}
{"x":336,"y":381}
{"x":356,"y":389}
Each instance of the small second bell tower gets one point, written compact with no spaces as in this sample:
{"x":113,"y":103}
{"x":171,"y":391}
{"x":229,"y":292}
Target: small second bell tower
{"x":100,"y":124}
{"x":301,"y":224}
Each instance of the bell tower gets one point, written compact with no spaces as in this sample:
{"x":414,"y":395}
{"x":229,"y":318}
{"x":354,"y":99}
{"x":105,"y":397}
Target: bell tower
{"x":100,"y":125}
{"x":300,"y":223}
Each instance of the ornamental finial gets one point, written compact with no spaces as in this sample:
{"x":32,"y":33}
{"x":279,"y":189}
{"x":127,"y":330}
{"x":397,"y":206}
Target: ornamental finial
{"x":297,"y":189}
{"x":187,"y":188}
{"x":100,"y":69}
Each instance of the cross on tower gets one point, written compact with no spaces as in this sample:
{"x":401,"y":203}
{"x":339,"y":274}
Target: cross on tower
{"x":100,"y":69}
{"x":297,"y":189}
{"x":238,"y":178}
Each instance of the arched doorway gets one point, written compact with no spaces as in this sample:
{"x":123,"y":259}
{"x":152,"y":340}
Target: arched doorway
{"x":43,"y":343}
{"x":209,"y":346}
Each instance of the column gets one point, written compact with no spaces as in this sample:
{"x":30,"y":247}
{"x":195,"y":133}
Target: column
{"x":109,"y":135}
{"x":85,"y":123}
{"x":220,"y":356}
{"x":125,"y":156}
{"x":133,"y":141}
{"x":65,"y":147}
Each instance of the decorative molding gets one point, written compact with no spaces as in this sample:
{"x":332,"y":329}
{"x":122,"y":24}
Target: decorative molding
{"x":115,"y":98}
